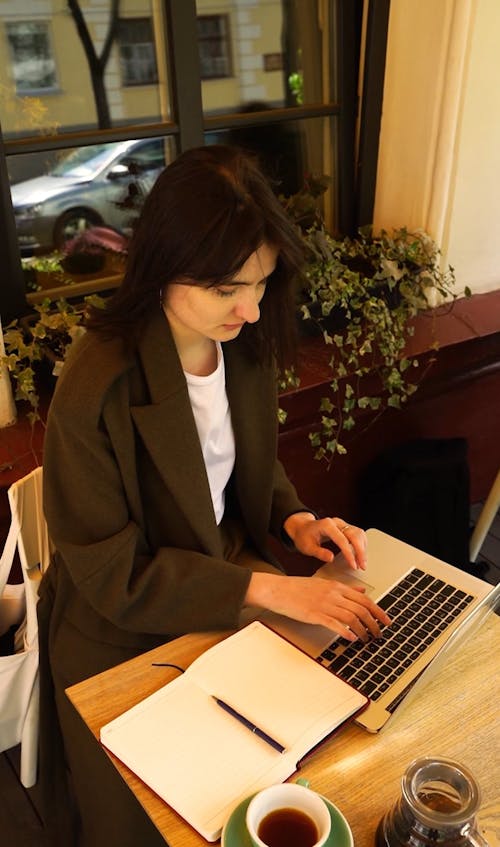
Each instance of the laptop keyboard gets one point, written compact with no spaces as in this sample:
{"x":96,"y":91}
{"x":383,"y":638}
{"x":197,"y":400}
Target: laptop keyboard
{"x":421,"y":607}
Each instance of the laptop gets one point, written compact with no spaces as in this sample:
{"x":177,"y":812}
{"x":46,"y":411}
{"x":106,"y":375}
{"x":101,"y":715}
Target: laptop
{"x":432,"y":605}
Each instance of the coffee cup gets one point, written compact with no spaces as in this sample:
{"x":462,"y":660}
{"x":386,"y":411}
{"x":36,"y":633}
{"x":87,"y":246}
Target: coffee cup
{"x":288,"y":815}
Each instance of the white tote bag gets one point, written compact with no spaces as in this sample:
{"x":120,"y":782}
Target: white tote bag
{"x":19,"y":692}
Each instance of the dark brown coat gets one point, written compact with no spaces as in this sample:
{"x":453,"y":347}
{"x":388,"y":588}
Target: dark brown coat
{"x":140,"y":558}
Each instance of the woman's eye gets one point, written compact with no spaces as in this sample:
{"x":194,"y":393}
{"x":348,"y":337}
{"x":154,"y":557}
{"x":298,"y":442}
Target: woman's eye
{"x":224,"y":292}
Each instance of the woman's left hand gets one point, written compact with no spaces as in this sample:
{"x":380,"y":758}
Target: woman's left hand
{"x":309,"y":533}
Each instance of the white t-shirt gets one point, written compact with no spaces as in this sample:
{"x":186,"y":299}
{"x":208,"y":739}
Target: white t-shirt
{"x":213,"y":422}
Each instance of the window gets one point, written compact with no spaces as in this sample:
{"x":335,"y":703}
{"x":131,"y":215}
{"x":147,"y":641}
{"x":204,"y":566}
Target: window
{"x":213,"y":44}
{"x":33,"y":65}
{"x":147,"y":88}
{"x":137,"y":52}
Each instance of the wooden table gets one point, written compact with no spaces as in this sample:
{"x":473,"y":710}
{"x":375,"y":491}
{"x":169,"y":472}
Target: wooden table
{"x":455,"y":714}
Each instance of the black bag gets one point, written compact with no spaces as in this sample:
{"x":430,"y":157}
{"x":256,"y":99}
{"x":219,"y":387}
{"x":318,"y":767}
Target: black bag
{"x":419,"y":493}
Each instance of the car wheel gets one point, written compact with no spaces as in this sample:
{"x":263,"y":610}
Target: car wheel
{"x":72,"y":223}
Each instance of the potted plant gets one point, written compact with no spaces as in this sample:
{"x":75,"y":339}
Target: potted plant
{"x":361,"y":295}
{"x":42,"y":272}
{"x":88,"y":251}
{"x":45,"y":337}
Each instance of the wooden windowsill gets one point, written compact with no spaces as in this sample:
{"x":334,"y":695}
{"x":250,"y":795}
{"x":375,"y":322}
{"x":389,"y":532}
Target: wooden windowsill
{"x":90,"y":285}
{"x":465,"y":320}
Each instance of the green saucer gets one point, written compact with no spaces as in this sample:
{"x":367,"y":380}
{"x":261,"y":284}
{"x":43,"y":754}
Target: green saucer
{"x":235,"y":833}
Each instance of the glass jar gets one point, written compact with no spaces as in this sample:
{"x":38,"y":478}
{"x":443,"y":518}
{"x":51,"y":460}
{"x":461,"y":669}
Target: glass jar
{"x":438,"y":803}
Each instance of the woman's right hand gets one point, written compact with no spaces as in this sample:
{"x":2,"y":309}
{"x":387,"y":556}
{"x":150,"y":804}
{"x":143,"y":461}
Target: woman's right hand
{"x":344,"y":609}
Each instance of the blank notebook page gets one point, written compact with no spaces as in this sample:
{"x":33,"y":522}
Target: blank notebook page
{"x":200,"y":759}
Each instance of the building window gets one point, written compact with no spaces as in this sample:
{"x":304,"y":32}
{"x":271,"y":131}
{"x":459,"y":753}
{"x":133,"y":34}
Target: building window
{"x":214,"y":47}
{"x":33,"y":65}
{"x":137,"y":52}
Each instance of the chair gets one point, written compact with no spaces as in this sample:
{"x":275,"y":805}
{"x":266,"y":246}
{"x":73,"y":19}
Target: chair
{"x":19,"y":686}
{"x":485,"y":519}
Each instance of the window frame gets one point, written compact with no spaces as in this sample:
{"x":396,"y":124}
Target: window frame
{"x":190,"y":125}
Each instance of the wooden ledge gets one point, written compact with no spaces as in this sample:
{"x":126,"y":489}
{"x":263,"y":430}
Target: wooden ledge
{"x":464,"y":320}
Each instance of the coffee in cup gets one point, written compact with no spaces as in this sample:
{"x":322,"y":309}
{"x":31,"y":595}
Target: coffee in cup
{"x":288,"y":815}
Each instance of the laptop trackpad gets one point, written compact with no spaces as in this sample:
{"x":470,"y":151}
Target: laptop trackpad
{"x":310,"y":638}
{"x":343,"y":573}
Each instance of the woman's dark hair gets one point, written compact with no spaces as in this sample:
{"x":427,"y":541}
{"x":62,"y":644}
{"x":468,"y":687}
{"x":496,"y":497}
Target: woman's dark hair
{"x":206,"y":214}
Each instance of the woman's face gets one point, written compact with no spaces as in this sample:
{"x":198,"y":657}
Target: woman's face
{"x":219,"y":312}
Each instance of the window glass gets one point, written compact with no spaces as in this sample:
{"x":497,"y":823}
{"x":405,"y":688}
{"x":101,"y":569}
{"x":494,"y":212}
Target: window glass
{"x":290,"y":152}
{"x":255,"y":56}
{"x":274,"y":53}
{"x":47,"y":82}
{"x":76,"y":191}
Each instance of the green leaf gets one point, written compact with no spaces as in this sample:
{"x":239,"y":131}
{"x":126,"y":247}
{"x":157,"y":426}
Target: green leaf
{"x":326,"y":405}
{"x":366,"y":347}
{"x":394,"y":401}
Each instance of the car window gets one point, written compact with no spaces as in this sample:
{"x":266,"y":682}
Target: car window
{"x":82,"y":161}
{"x":149,"y":156}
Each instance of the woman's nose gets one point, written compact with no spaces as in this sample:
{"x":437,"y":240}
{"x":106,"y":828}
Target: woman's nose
{"x":248,"y":307}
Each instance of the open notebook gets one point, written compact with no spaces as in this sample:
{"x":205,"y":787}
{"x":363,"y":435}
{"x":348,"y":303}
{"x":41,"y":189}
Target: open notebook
{"x":203,"y":761}
{"x":432,"y":606}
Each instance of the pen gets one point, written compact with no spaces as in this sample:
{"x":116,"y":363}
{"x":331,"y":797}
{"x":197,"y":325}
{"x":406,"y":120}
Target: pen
{"x":251,"y":726}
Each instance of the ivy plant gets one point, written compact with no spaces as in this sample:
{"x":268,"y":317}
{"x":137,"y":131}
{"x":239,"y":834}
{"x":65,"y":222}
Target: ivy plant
{"x":47,"y":334}
{"x":362,"y":294}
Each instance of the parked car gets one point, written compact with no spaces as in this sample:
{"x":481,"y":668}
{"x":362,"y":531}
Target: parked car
{"x":84,"y":189}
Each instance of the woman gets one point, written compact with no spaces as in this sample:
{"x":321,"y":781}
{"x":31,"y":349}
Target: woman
{"x":161,"y":481}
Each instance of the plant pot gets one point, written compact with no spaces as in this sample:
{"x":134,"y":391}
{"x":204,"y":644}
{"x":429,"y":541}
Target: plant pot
{"x":313,"y":327}
{"x":83,"y":263}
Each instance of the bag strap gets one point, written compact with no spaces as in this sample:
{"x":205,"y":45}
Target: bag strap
{"x":9,"y":551}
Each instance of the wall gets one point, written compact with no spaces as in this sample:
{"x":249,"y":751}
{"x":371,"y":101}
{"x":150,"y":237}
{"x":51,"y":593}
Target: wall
{"x":439,"y":151}
{"x":473,"y":239}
